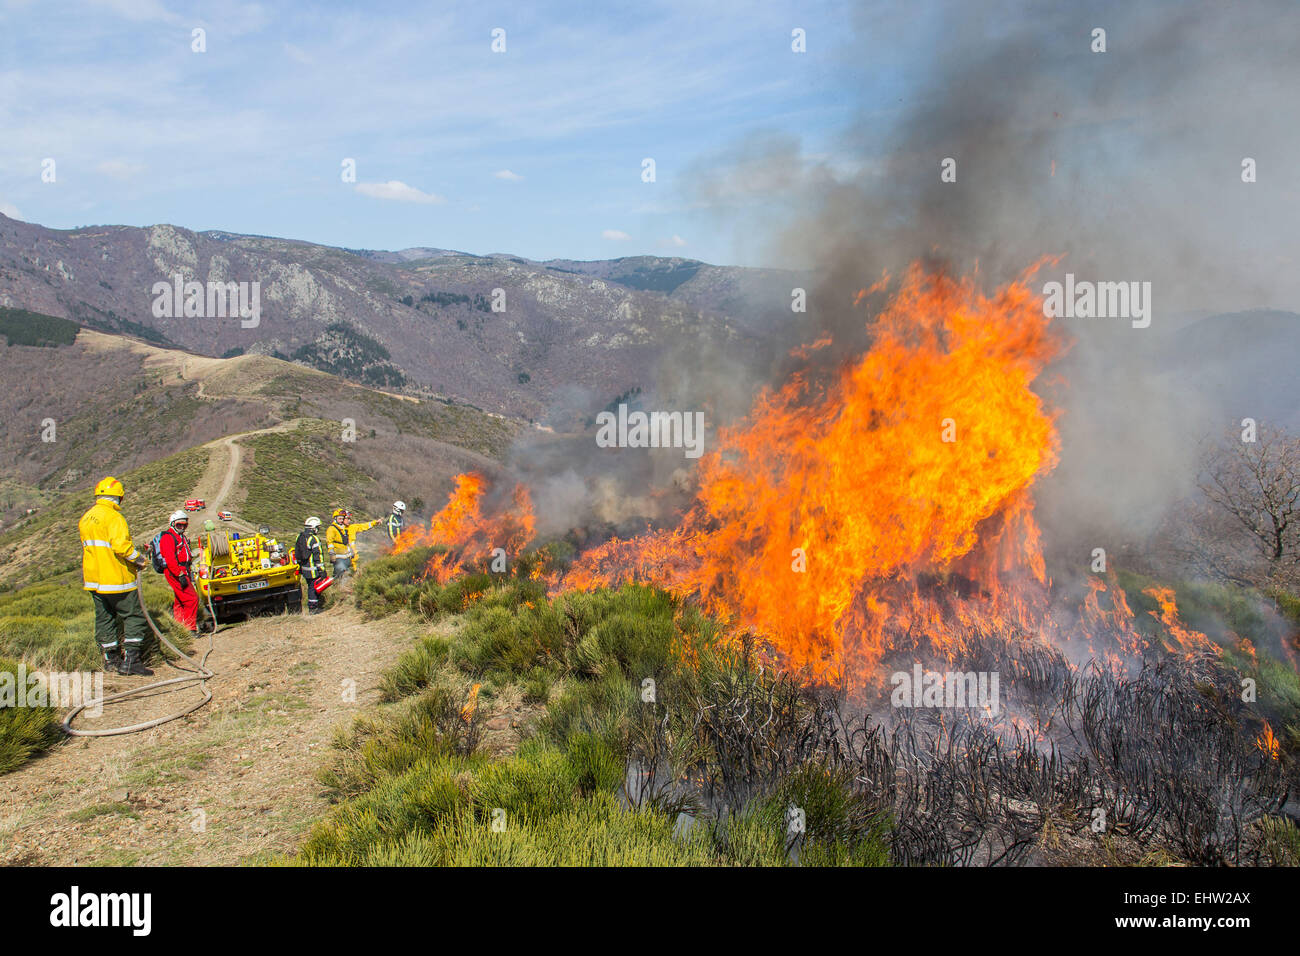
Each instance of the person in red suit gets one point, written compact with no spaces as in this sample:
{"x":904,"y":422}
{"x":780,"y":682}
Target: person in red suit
{"x":176,"y":554}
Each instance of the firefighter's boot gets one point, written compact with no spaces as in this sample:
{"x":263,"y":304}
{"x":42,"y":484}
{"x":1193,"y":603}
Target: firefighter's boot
{"x":133,"y":665}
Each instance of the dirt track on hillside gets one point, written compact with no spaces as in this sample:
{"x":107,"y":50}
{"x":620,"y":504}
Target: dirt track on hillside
{"x":222,"y":474}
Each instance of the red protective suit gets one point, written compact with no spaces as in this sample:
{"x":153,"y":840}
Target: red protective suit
{"x":176,"y":553}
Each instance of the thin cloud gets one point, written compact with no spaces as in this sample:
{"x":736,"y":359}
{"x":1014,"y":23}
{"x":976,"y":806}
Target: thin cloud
{"x":139,"y":10}
{"x":120,"y":168}
{"x":297,"y":53}
{"x":10,"y":210}
{"x":76,"y":94}
{"x":616,"y":234}
{"x":396,"y":190}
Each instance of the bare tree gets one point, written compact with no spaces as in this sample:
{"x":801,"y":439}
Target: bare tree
{"x":1257,"y":485}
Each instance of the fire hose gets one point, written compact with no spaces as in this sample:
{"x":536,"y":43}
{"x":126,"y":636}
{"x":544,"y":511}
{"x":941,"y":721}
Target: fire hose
{"x":200,"y":674}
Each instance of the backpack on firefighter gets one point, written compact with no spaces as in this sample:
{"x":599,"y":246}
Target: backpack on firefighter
{"x":156,"y":558}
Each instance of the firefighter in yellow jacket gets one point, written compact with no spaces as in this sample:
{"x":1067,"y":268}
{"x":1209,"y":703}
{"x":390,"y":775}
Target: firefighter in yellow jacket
{"x":109,"y":566}
{"x":340,"y":538}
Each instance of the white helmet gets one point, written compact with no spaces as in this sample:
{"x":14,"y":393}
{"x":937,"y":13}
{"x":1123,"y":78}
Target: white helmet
{"x":178,"y":516}
{"x":313,"y":522}
{"x":399,"y":505}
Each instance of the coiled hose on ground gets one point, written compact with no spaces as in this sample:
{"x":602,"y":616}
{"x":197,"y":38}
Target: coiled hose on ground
{"x":200,"y":675}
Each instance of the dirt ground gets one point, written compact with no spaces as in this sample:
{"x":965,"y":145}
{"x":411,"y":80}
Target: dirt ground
{"x":233,"y":782}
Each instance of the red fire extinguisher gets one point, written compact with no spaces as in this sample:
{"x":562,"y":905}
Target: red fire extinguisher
{"x":321,"y":584}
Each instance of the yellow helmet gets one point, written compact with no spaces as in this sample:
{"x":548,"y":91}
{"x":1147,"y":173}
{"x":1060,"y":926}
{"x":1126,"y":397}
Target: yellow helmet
{"x":339,"y":513}
{"x":109,"y":486}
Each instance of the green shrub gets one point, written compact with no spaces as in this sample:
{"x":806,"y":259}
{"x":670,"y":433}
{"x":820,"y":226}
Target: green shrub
{"x":441,"y":813}
{"x":504,"y":645}
{"x":1282,"y":840}
{"x":537,"y":686}
{"x":415,"y":669}
{"x":594,"y":763}
{"x":54,"y":600}
{"x":50,"y":642}
{"x":375,"y":748}
{"x":601,"y":707}
{"x":25,"y":731}
{"x":842,"y":827}
{"x":595,"y":831}
{"x":627,"y":643}
{"x":413,"y":789}
{"x":387,"y":584}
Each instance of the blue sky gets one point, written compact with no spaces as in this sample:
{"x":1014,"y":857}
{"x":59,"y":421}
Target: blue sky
{"x":536,"y":151}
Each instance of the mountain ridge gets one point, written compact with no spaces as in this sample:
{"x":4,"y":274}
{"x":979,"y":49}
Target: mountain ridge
{"x":502,"y":332}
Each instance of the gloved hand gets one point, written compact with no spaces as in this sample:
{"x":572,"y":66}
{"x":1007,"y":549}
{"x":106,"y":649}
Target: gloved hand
{"x":184,"y":581}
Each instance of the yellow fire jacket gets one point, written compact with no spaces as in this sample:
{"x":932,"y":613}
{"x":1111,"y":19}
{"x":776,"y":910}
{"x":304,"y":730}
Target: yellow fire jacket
{"x":107,"y":555}
{"x":339,"y":540}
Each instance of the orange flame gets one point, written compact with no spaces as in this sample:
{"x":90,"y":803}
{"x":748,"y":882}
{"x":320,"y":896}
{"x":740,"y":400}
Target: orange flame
{"x":471,"y":704}
{"x":885,"y":508}
{"x":1184,"y":639}
{"x":462,"y":528}
{"x":818,"y":517}
{"x":1267,"y":742}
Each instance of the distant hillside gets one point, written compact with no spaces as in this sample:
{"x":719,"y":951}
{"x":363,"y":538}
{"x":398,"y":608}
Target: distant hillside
{"x":116,"y":405}
{"x":420,"y":319}
{"x":45,"y":545}
{"x":20,"y":327}
{"x":752,"y":298}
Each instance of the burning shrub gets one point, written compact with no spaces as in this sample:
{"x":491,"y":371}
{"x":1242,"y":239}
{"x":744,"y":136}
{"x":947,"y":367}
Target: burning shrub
{"x":684,"y":720}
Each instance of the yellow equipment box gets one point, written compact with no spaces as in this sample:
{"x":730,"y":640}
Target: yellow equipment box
{"x":244,"y":575}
